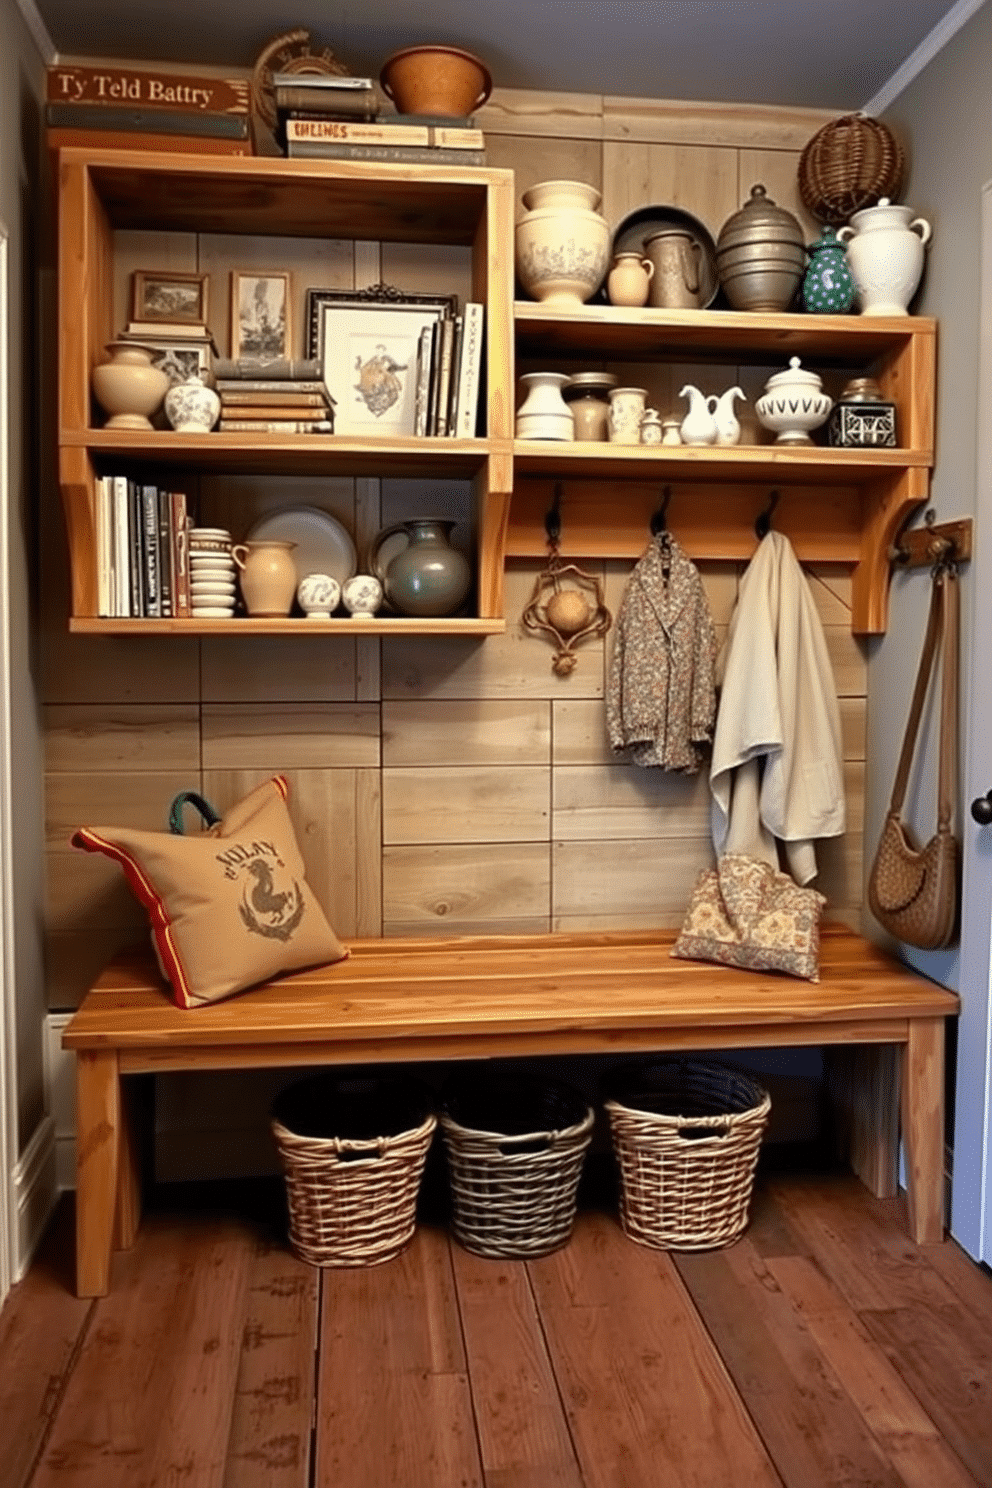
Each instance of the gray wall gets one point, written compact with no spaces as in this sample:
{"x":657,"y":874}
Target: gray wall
{"x":22,"y":80}
{"x":945,"y":120}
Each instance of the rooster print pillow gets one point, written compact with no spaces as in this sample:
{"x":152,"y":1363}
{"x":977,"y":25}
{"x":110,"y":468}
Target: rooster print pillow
{"x":229,"y":907}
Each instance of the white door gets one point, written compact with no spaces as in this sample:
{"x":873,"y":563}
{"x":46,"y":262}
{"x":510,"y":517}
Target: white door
{"x":971,"y":1209}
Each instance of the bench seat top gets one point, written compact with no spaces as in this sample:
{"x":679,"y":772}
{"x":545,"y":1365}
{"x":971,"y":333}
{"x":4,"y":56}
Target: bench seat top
{"x":468,"y":996}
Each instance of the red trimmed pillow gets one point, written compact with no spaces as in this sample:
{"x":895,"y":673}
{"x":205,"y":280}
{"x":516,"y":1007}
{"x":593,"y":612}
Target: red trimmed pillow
{"x":229,"y":907}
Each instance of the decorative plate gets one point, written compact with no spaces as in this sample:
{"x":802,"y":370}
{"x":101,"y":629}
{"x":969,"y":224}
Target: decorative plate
{"x":323,"y":544}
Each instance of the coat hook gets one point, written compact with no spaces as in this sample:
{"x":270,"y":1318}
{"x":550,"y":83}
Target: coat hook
{"x":658,"y":519}
{"x":552,"y":518}
{"x":763,"y":525}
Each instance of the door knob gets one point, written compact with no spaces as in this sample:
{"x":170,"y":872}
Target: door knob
{"x":981,"y":809}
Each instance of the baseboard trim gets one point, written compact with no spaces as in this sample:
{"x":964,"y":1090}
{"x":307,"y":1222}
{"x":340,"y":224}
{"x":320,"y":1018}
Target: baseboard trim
{"x":35,"y":1192}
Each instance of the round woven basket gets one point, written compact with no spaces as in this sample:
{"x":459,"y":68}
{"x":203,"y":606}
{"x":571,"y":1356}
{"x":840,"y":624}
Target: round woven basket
{"x":848,"y":164}
{"x":686,"y":1135}
{"x":352,"y":1196}
{"x":515,"y":1151}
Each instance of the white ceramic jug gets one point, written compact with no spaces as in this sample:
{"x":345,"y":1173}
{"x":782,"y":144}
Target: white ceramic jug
{"x":885,"y":255}
{"x":728,"y":429}
{"x":699,"y":425}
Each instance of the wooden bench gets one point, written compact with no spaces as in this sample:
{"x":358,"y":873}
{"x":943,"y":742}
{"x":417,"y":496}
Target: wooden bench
{"x":471,"y":997}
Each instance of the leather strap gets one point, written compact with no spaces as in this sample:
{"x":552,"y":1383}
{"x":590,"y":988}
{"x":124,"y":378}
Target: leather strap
{"x":942,"y":626}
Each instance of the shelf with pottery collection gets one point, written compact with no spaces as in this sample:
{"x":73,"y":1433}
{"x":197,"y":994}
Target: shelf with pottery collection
{"x":107,"y":197}
{"x":715,"y":377}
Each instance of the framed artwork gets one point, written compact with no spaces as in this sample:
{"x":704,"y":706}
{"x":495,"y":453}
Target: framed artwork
{"x":368,"y":347}
{"x":260,"y":319}
{"x":180,"y":359}
{"x":169,"y":296}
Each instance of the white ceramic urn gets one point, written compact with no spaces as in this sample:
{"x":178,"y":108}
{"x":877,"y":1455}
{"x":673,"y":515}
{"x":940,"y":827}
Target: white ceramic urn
{"x":544,"y":414}
{"x":562,"y":243}
{"x":192,"y":407}
{"x":885,"y":256}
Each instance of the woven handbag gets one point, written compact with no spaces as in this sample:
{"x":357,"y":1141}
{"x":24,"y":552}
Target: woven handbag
{"x":914,"y":891}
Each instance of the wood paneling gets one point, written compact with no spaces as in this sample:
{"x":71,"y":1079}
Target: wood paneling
{"x":475,"y":732}
{"x":637,"y":881}
{"x":87,"y":737}
{"x":272,"y":737}
{"x":457,"y":885}
{"x":464,"y":803}
{"x":624,"y":801}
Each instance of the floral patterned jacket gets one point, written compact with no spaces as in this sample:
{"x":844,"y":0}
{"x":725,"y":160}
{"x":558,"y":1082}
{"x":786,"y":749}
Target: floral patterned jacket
{"x":660,"y":696}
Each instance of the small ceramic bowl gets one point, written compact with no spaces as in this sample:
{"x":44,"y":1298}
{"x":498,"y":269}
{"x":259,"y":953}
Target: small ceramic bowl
{"x":318,"y":595}
{"x":362,"y":594}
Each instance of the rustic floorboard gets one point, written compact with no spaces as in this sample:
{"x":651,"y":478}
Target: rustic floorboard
{"x":823,"y":1349}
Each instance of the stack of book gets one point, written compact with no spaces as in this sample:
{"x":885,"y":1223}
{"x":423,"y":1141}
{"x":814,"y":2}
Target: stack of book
{"x":127,"y":108}
{"x":449,"y":375}
{"x":142,"y":552}
{"x":273,"y":397}
{"x":339,"y":118}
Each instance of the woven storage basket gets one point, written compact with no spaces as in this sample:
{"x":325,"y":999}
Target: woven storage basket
{"x":686,"y":1136}
{"x":515,"y":1150}
{"x":848,"y":164}
{"x":352,"y":1196}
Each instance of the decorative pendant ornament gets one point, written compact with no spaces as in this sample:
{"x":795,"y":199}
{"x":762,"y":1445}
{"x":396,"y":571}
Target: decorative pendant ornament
{"x":567,"y":602}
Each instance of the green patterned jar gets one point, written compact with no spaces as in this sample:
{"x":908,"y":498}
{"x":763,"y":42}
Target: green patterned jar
{"x":828,"y":288}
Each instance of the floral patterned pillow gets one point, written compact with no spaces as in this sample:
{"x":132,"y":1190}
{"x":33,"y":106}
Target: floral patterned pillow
{"x":746,"y":913}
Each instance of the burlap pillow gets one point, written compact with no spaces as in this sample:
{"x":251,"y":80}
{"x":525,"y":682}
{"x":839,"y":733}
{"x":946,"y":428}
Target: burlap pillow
{"x":746,"y":913}
{"x":228,"y":907}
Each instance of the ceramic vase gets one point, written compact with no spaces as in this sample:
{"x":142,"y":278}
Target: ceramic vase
{"x":651,"y":427}
{"x":626,"y":411}
{"x":544,"y":414}
{"x":828,"y":288}
{"x":191,"y":407}
{"x":699,"y":424}
{"x":427,"y":578}
{"x":562,"y":243}
{"x":318,"y":596}
{"x":587,"y":395}
{"x":362,"y":595}
{"x":268,"y":576}
{"x":128,"y":387}
{"x":629,"y":280}
{"x":885,"y":254}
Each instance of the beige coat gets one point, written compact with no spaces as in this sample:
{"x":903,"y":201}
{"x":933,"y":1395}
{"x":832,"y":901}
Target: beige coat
{"x":776,"y":771}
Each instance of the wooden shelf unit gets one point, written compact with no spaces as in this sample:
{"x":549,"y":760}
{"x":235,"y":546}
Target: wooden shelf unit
{"x":840,"y":506}
{"x":104,"y":191}
{"x":836,"y":505}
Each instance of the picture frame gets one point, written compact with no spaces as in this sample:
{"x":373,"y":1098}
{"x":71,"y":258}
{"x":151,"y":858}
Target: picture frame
{"x":368,"y":349}
{"x":375,"y":294}
{"x":168,"y":295}
{"x":260,"y":313}
{"x":180,"y":359}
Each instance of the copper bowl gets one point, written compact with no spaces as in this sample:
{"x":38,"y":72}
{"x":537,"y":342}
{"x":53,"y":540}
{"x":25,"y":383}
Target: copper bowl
{"x":441,"y":80}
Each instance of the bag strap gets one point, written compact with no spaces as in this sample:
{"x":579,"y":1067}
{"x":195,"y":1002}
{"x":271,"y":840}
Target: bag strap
{"x":193,"y":798}
{"x":942,"y":626}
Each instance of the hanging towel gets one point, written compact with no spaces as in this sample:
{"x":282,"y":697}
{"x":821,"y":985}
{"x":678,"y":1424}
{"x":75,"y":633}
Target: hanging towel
{"x":661,"y":691}
{"x":776,"y":771}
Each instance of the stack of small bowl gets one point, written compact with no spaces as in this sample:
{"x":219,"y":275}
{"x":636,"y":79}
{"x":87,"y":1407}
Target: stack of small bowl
{"x":212,"y":575}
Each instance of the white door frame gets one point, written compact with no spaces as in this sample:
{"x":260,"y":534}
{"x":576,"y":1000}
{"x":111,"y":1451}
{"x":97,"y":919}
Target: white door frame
{"x":971,"y":1204}
{"x":8,"y":1031}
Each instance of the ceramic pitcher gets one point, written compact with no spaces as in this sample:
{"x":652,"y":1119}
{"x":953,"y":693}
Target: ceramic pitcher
{"x":268,"y":576}
{"x":675,"y":282}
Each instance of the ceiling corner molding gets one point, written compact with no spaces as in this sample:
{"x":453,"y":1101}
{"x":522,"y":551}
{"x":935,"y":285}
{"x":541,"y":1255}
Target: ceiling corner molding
{"x":39,"y":31}
{"x":929,"y":47}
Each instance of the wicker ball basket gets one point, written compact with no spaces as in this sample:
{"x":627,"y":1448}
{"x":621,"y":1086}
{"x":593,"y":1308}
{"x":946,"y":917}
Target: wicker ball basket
{"x":352,"y":1197}
{"x":848,"y":164}
{"x":515,"y":1150}
{"x":686,"y":1136}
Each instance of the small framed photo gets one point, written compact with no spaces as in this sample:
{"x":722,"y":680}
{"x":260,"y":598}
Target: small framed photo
{"x":369,"y":351}
{"x":169,"y":296}
{"x":180,"y":359}
{"x":260,"y":315}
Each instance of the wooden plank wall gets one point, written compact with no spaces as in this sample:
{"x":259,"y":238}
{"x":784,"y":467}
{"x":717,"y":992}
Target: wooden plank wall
{"x":438,"y":785}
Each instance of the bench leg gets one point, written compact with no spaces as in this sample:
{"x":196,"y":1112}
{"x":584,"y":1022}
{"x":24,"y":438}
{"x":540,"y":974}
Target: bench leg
{"x":130,"y":1163}
{"x":863,"y":1084}
{"x":923,"y":1128}
{"x":98,"y":1153}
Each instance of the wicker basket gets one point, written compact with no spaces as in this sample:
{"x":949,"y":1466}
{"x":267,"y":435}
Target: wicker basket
{"x":352,"y":1196}
{"x":848,"y":164}
{"x":686,"y":1136}
{"x":515,"y":1150}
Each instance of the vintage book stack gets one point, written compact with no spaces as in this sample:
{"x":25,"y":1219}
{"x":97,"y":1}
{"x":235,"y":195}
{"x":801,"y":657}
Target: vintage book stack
{"x":127,"y":108}
{"x":279,"y":396}
{"x":142,"y":551}
{"x":340,"y":118}
{"x":449,"y":374}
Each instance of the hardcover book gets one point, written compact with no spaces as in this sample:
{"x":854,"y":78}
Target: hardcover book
{"x":391,"y":154}
{"x":111,"y":86}
{"x":383,"y":132}
{"x":128,"y":120}
{"x":470,"y":372}
{"x":272,"y":368}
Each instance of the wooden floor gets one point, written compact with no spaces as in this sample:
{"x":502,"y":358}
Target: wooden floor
{"x":823,"y":1349}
